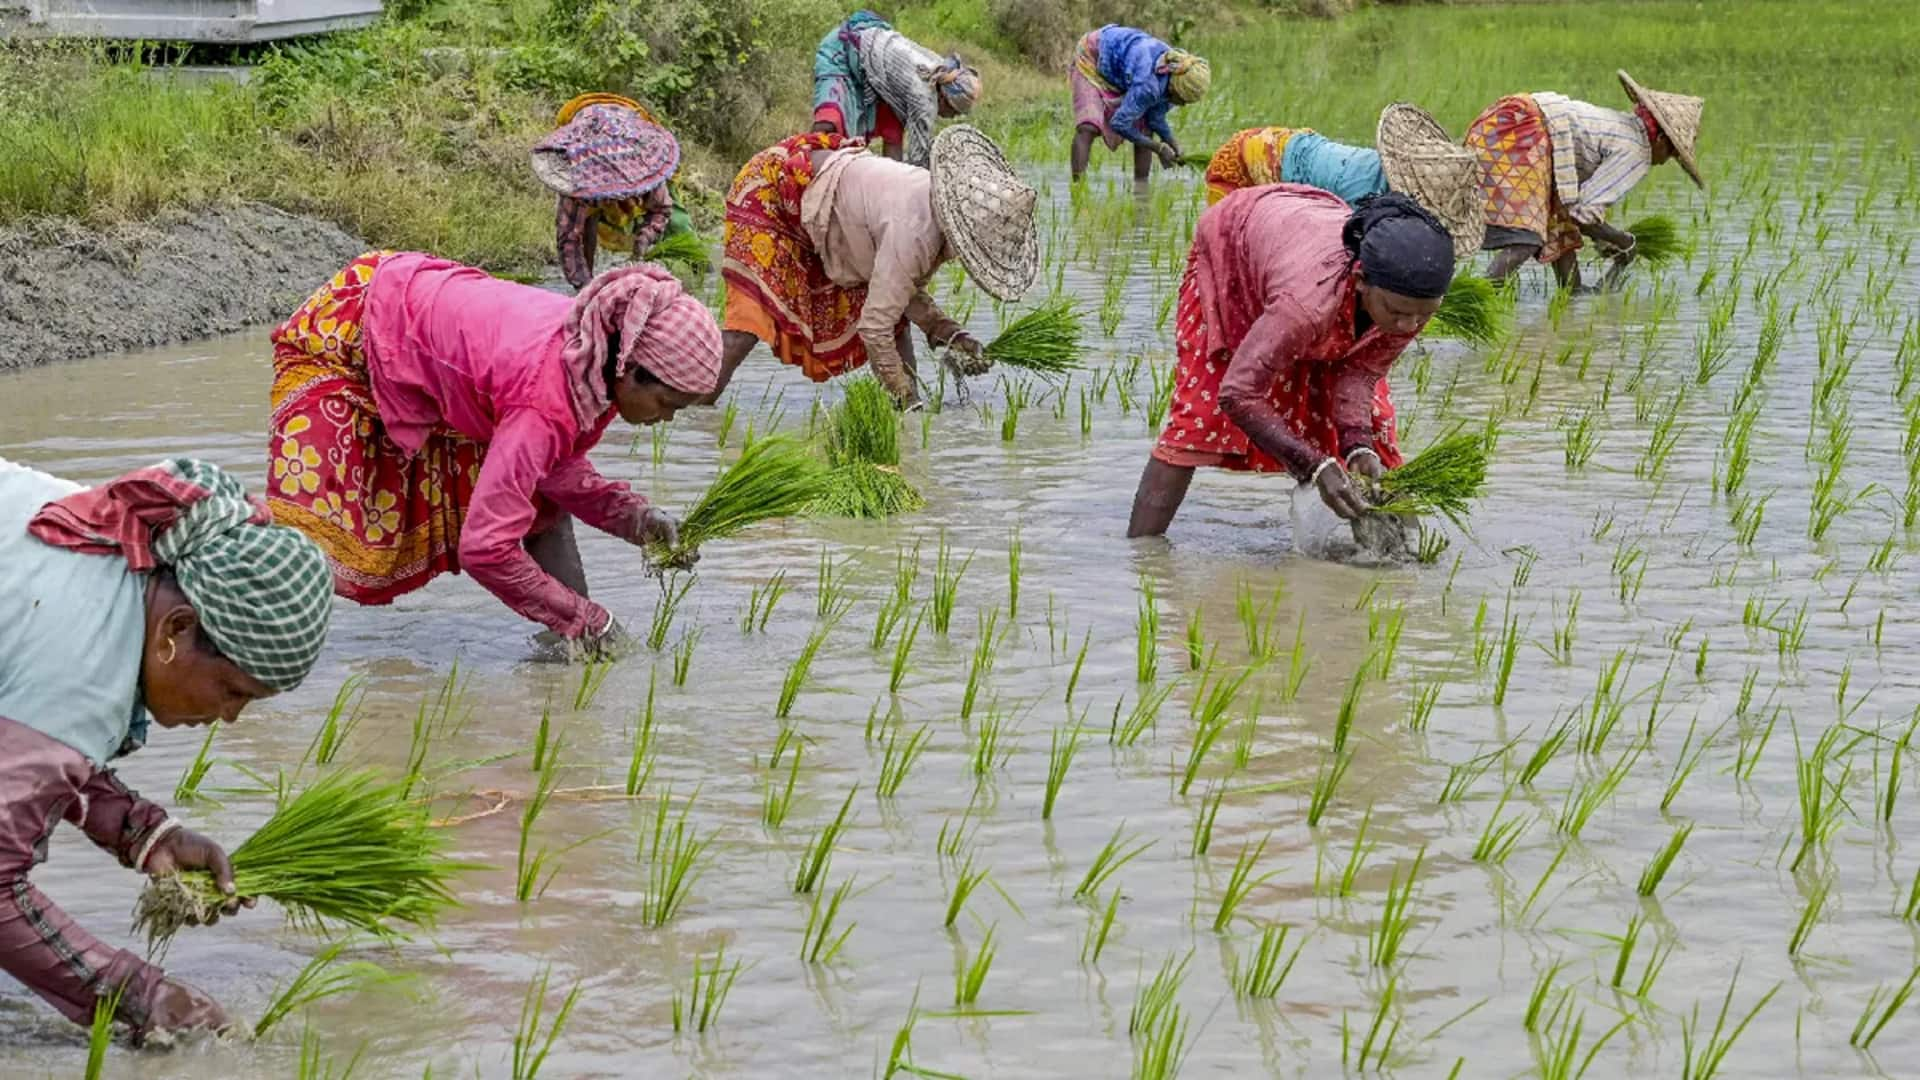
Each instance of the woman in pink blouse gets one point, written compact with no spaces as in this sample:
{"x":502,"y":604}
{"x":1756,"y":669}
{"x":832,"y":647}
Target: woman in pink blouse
{"x":1293,"y":306}
{"x":430,"y":419}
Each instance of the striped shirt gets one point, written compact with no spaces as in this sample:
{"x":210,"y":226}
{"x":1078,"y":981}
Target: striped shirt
{"x":897,"y":69}
{"x":1610,"y":155}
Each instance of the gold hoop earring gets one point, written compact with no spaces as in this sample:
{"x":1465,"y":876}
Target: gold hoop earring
{"x":170,"y":651}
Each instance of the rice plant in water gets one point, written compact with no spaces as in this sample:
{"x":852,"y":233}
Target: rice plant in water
{"x":1474,"y":310}
{"x":819,"y":852}
{"x":970,"y":972}
{"x":819,"y":944}
{"x":1115,"y":854}
{"x":188,"y":788}
{"x":324,"y":976}
{"x":351,"y":849}
{"x":1703,"y":1052}
{"x":863,"y":448}
{"x":1045,"y":341}
{"x":1396,"y":916}
{"x":700,"y":1008}
{"x":775,"y":477}
{"x":1240,"y":883}
{"x":1656,"y":240}
{"x":947,"y":573}
{"x":343,"y":717}
{"x":672,"y":849}
{"x":1261,"y":973}
{"x":530,"y":1047}
{"x":1863,"y":1034}
{"x":1442,"y":479}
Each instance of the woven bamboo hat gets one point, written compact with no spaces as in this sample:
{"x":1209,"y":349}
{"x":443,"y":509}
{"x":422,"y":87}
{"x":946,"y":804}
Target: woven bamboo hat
{"x":985,"y":210}
{"x":1422,"y":162}
{"x":1679,"y":118}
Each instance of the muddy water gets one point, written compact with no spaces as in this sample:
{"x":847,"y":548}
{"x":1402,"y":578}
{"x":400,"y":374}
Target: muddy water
{"x":1476,"y":947}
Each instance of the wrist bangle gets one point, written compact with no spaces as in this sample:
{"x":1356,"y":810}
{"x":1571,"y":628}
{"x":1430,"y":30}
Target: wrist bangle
{"x":1358,"y":450}
{"x":160,"y":832}
{"x":1320,"y":468}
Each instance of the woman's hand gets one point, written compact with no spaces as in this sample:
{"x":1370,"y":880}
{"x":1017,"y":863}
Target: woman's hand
{"x":656,"y":528}
{"x":184,"y":849}
{"x":1337,"y":491}
{"x":178,"y":1006}
{"x":969,"y":356}
{"x":1366,"y":461}
{"x":1169,"y":154}
{"x":611,"y":642}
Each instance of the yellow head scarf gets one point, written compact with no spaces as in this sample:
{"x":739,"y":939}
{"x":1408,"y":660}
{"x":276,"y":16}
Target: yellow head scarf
{"x":1188,"y":76}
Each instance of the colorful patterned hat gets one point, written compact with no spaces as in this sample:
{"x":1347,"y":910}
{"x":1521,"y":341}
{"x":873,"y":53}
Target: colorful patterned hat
{"x":606,"y":151}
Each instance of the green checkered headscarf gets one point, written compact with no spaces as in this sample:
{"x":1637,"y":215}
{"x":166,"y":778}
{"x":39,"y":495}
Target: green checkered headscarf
{"x":262,"y":591}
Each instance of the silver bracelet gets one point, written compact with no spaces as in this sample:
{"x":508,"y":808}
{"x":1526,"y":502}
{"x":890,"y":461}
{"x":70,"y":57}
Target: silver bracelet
{"x":160,"y":832}
{"x":1358,"y":450}
{"x":1322,"y":467}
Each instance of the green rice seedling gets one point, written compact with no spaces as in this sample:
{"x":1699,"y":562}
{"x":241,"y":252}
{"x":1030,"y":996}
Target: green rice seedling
{"x":1064,"y":745}
{"x":1357,"y":857}
{"x":1244,"y":735}
{"x":1509,"y":653}
{"x":1817,"y":897}
{"x":1163,"y":1049}
{"x":1209,"y":813}
{"x":1118,"y":851}
{"x":188,"y":787}
{"x":777,"y":476}
{"x":343,"y":717}
{"x":1333,"y":769}
{"x":672,"y":849}
{"x":1701,"y":1057}
{"x":1383,"y":634}
{"x":1583,"y":801}
{"x":830,"y":598}
{"x":1662,"y":860}
{"x":1893,"y":768}
{"x":985,"y":647}
{"x":797,"y":671}
{"x":1442,"y":479}
{"x":899,"y":760}
{"x":1540,"y":886}
{"x":1298,"y":663}
{"x":1657,"y":241}
{"x":1430,"y":545}
{"x":1684,"y":765}
{"x":946,"y":584}
{"x":1396,"y":916}
{"x":760,"y":603}
{"x":1499,"y":837}
{"x":1209,"y":725}
{"x":728,"y":415}
{"x":1161,"y":399}
{"x":1421,"y":705}
{"x":965,"y":880}
{"x":1156,"y":996}
{"x":528,"y":863}
{"x":1863,"y":1036}
{"x":1463,"y":775}
{"x":683,"y":654}
{"x":672,"y":592}
{"x":1018,"y":396}
{"x":1668,"y":426}
{"x":1145,"y":715}
{"x":819,"y":944}
{"x":777,"y":800}
{"x":542,"y":735}
{"x":903,"y":650}
{"x":1147,"y":634}
{"x":1559,"y":1049}
{"x":1196,"y":639}
{"x":593,"y":674}
{"x":1350,"y":703}
{"x":1537,"y":1014}
{"x":970,"y":972}
{"x":682,"y":251}
{"x":100,"y":1033}
{"x":1099,"y":928}
{"x":313,"y":1064}
{"x":1045,"y":341}
{"x":1240,"y":883}
{"x":1565,"y":634}
{"x":1260,"y":975}
{"x":1382,"y":1010}
{"x":819,"y":853}
{"x":1474,"y":310}
{"x":863,"y":452}
{"x":1581,"y":431}
{"x":1656,"y":962}
{"x":1113,"y":299}
{"x":324,"y":976}
{"x":642,"y":758}
{"x":351,"y":850}
{"x":700,"y":1009}
{"x":1822,"y":796}
{"x":1013,"y":575}
{"x":993,"y":743}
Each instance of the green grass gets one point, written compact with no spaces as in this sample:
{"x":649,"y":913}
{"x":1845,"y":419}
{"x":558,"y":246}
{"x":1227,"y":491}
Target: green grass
{"x":530,"y":1046}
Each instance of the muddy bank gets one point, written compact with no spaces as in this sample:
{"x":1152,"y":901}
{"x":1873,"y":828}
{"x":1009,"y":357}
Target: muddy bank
{"x":68,"y":292}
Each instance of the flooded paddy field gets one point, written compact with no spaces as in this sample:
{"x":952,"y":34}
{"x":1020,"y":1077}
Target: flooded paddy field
{"x":1624,"y":765}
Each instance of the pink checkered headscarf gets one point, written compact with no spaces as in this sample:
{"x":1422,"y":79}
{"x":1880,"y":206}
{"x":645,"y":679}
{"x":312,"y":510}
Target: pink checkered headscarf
{"x":661,"y":328}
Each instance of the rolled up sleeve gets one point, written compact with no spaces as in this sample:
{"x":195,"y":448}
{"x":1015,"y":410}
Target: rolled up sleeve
{"x":1272,"y":355}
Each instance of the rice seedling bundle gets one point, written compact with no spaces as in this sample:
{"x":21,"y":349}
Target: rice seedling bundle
{"x":775,"y":477}
{"x":1197,"y":159}
{"x":684,"y":248}
{"x":352,"y":849}
{"x":1045,"y":341}
{"x":863,"y":448}
{"x":1474,"y":310}
{"x":1442,"y":479}
{"x":1656,"y":240}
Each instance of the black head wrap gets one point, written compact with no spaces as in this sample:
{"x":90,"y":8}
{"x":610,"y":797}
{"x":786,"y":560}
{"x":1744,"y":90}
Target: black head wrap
{"x":1400,"y":246}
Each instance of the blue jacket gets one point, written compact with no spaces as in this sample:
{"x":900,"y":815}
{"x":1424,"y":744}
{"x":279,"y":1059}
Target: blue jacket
{"x":1351,"y":172}
{"x":1127,"y":61}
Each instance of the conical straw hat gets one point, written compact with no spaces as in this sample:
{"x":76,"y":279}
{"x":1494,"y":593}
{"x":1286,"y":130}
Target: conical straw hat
{"x":1679,"y":118}
{"x":985,"y":210}
{"x":1423,"y":163}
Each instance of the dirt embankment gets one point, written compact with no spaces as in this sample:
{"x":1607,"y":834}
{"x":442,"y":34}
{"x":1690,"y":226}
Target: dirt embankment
{"x":68,"y":292}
